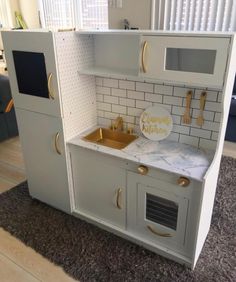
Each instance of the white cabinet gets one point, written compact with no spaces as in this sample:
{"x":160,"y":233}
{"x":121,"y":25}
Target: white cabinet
{"x":44,"y":154}
{"x":31,"y":62}
{"x":43,"y":147}
{"x":187,"y":60}
{"x":99,"y":187}
{"x":151,"y":208}
{"x":155,"y":211}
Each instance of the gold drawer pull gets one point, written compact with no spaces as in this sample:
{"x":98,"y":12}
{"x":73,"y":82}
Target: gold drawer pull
{"x":142,"y":169}
{"x":118,"y":196}
{"x":150,"y":228}
{"x":56,"y":143}
{"x":144,"y":67}
{"x":50,"y":91}
{"x":183,"y":181}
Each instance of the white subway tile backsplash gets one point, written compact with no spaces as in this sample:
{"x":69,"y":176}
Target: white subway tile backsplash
{"x":128,"y":119}
{"x":214,"y":136}
{"x":219,"y":99}
{"x":172,"y":100}
{"x":194,"y":123}
{"x":100,"y":113}
{"x":213,"y":106}
{"x":217,"y":117}
{"x":118,"y":92}
{"x":207,"y":144}
{"x":109,"y":115}
{"x":181,"y":129}
{"x":126,"y":84}
{"x":163,"y":89}
{"x":207,"y":115}
{"x":153,"y":97}
{"x":103,"y":106}
{"x":127,"y":102}
{"x":119,"y":109}
{"x":134,"y":112}
{"x":173,"y":137}
{"x":111,"y":99}
{"x":181,"y":91}
{"x":103,"y":90}
{"x":200,"y":133}
{"x":104,"y":122}
{"x":143,"y":104}
{"x":99,"y":81}
{"x":178,"y":110}
{"x":146,"y":87}
{"x":176,"y":119}
{"x":195,"y":104}
{"x":211,"y":95}
{"x":135,"y":95}
{"x":129,"y":99}
{"x":110,"y":82}
{"x":167,"y":107}
{"x":210,"y":125}
{"x":99,"y":98}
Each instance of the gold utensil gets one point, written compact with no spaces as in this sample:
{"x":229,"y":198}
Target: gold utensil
{"x":186,"y":116}
{"x":200,"y":119}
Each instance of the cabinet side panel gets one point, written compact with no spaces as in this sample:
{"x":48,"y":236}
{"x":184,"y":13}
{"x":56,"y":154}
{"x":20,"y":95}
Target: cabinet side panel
{"x":77,"y":91}
{"x":211,"y":177}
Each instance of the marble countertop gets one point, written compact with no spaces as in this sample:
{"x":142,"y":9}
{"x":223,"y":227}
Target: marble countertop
{"x":166,"y":155}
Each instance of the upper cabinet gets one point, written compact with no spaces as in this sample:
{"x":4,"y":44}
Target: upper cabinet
{"x":199,"y":61}
{"x":31,"y":62}
{"x":196,"y":60}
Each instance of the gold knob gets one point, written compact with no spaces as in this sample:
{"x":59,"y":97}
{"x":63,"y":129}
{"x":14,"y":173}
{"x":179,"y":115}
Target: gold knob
{"x":183,"y":181}
{"x":142,"y":169}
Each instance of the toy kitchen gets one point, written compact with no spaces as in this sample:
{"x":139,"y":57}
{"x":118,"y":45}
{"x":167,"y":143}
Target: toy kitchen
{"x":125,"y":129}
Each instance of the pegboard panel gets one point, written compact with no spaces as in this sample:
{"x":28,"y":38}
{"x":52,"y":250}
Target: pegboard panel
{"x":78,"y":93}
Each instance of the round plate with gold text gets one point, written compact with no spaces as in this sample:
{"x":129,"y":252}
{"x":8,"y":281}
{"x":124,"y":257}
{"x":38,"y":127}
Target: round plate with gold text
{"x":156,"y":123}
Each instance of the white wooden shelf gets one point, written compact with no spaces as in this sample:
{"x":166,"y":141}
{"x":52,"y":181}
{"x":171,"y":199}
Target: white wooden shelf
{"x":109,"y":72}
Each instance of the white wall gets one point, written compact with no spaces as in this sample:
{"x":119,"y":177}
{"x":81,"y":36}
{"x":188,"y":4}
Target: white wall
{"x":14,"y":5}
{"x":29,"y":12}
{"x":137,"y":12}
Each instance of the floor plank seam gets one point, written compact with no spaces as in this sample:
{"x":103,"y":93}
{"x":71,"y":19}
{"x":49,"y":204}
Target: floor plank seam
{"x":20,"y":266}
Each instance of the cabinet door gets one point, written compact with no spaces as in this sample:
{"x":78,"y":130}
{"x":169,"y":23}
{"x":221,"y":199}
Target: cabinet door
{"x":188,"y":60}
{"x":44,"y":154}
{"x":99,"y":187}
{"x":32,"y":71}
{"x":153,"y":213}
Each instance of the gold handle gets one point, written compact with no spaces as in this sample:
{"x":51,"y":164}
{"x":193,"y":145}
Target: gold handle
{"x":183,"y":181}
{"x":118,"y":194}
{"x":56,"y":143}
{"x":50,"y":91}
{"x":150,"y":228}
{"x":142,"y":169}
{"x":144,"y":67}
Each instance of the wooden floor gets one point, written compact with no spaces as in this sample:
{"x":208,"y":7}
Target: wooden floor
{"x":19,"y":263}
{"x":12,"y":170}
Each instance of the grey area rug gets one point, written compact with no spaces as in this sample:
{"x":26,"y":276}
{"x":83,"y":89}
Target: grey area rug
{"x":88,"y":253}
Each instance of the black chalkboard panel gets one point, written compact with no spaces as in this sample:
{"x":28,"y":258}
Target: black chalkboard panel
{"x":31,"y":73}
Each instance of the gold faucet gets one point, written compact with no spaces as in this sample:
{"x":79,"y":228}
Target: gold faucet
{"x":118,"y":124}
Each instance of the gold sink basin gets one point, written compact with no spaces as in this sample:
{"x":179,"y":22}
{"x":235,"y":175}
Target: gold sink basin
{"x":110,"y":138}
